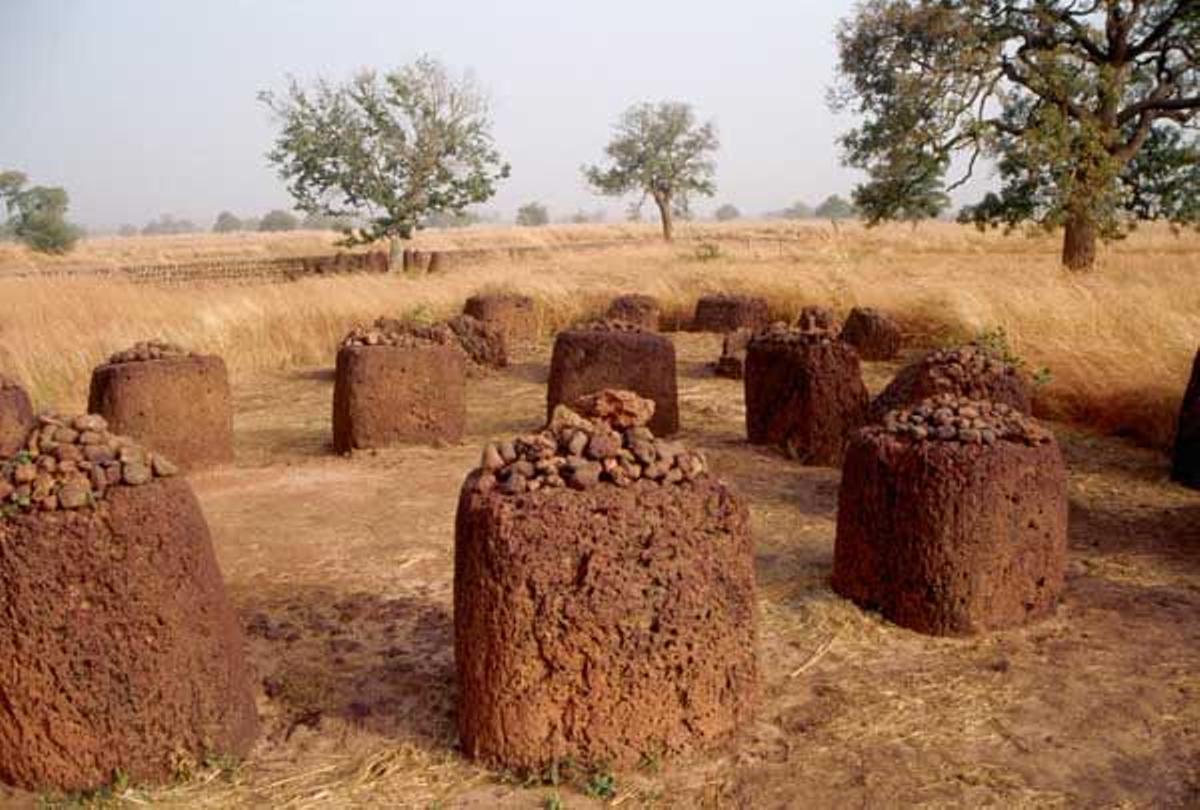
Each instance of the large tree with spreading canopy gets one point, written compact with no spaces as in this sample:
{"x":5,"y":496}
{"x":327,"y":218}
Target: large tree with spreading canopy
{"x":662,"y":152}
{"x":1089,"y":109}
{"x":386,"y":151}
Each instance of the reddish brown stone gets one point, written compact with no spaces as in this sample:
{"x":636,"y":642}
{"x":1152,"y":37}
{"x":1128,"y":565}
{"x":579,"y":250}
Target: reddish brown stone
{"x":178,"y":406}
{"x":951,"y":538}
{"x":733,"y":354}
{"x":972,"y":371}
{"x":119,"y":649}
{"x":642,"y":310}
{"x":483,"y":342}
{"x":16,"y":416}
{"x":813,"y":318}
{"x":386,"y":395}
{"x":602,"y":640}
{"x":587,"y":360}
{"x":1186,"y":467}
{"x":726,"y":313}
{"x":874,"y":334}
{"x":514,"y":315}
{"x":804,"y":393}
{"x":377,"y":261}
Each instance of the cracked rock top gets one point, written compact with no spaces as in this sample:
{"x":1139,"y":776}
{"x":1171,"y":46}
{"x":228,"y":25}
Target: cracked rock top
{"x":72,"y":462}
{"x":601,"y":440}
{"x":952,"y":418}
{"x":147,"y":350}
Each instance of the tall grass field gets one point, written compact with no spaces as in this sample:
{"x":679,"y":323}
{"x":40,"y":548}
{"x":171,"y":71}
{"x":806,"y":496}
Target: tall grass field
{"x":1116,"y":344}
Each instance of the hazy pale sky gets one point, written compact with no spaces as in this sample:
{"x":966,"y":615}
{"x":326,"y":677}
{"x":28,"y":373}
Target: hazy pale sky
{"x":140,"y":108}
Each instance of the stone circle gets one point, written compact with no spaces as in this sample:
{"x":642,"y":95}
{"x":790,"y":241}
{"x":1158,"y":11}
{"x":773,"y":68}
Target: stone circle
{"x":722,"y":312}
{"x":615,"y":354}
{"x":973,"y":370}
{"x":874,"y":334}
{"x":569,"y":629}
{"x":952,"y":518}
{"x":409,"y":389}
{"x":643,"y":310}
{"x":804,"y":393}
{"x":114,"y":620}
{"x":814,"y":317}
{"x":177,"y":403}
{"x":514,"y":315}
{"x":733,"y":354}
{"x":16,"y":415}
{"x":1185,"y":467}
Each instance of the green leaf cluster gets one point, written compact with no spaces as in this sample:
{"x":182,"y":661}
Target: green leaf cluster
{"x":37,"y":216}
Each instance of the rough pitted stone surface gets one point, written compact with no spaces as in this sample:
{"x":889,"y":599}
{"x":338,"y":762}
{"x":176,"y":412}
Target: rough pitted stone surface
{"x":571,"y":631}
{"x":727,"y":313}
{"x":643,"y":310}
{"x":615,"y":354}
{"x":621,"y":409}
{"x":953,"y":534}
{"x":804,"y":393}
{"x":16,"y":415}
{"x":733,"y":354}
{"x":176,"y":404}
{"x":484,"y":343}
{"x":972,"y":370}
{"x":514,"y":315}
{"x":874,"y":334}
{"x":73,"y":462}
{"x":813,"y":318}
{"x":119,"y":649}
{"x":1186,"y":466}
{"x":392,"y":394}
{"x":146,"y":350}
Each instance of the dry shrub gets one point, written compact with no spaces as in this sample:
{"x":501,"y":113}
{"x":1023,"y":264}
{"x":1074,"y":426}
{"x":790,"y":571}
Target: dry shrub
{"x":1118,"y":342}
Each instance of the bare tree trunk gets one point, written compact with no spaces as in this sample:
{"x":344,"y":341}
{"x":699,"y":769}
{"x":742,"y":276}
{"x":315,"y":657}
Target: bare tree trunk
{"x":1079,"y":243}
{"x":664,"y":210}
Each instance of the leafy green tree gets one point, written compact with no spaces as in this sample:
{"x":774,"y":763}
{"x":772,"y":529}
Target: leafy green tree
{"x":278,"y":220}
{"x":227,"y":223}
{"x":835,"y":208}
{"x":727,"y":213}
{"x":37,"y":215}
{"x":320,"y":222}
{"x":1088,"y":108}
{"x":661,"y":151}
{"x":451,"y":219}
{"x":532,"y":215}
{"x":389,"y":150}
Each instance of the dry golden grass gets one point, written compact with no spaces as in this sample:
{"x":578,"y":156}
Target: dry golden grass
{"x":116,"y":251}
{"x":1118,"y":342}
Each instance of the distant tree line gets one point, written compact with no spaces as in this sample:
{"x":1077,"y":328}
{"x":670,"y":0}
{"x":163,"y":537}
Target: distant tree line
{"x":276,"y":220}
{"x":834,"y":207}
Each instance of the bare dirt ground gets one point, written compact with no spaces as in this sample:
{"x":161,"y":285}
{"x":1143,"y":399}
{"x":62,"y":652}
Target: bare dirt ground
{"x":342,"y":571}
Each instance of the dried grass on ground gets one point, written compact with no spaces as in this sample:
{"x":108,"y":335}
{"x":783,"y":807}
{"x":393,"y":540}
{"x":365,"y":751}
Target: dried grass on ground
{"x":1118,"y":342}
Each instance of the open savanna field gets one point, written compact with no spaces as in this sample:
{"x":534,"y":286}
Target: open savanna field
{"x":341,"y":568}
